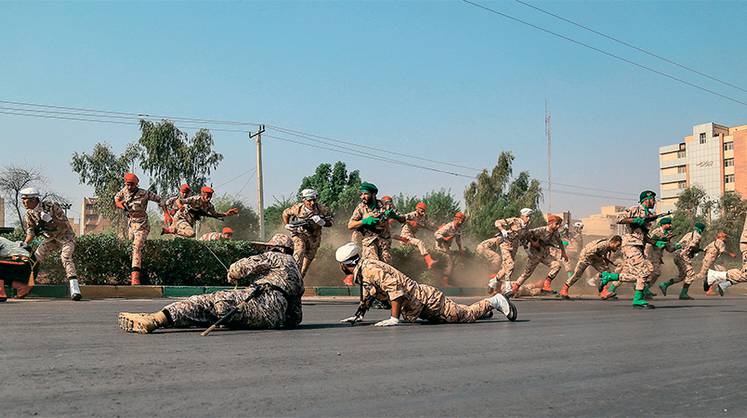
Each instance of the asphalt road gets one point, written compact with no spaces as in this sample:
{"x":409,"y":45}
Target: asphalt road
{"x":577,"y":358}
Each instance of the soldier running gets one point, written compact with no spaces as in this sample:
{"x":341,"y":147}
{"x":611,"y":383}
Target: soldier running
{"x":445,"y":235}
{"x":512,"y":231}
{"x":310,"y":217}
{"x":712,"y":252}
{"x":271,"y":301}
{"x":414,"y":221}
{"x":409,"y":299}
{"x":596,"y":254}
{"x":540,"y":240}
{"x":659,"y":240}
{"x":687,"y":248}
{"x":191,"y":210}
{"x":17,"y":266}
{"x":226,"y":234}
{"x":490,"y":251}
{"x":134,"y":201}
{"x":371,"y":219}
{"x":47,"y":219}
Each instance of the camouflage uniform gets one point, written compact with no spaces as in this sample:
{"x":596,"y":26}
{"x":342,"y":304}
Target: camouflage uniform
{"x":277,"y":305}
{"x":711,"y":252}
{"x":543,"y":254}
{"x":444,"y":236}
{"x":306,"y":240}
{"x":212,"y":236}
{"x":635,"y":268}
{"x":193,"y":208}
{"x":57,"y":232}
{"x":596,"y":254}
{"x":376,"y":240}
{"x":413,"y":222}
{"x":489,"y":250}
{"x":386,"y":283}
{"x":516,"y":229}
{"x":683,"y":258}
{"x":743,"y":246}
{"x":654,"y":254}
{"x":138,"y":227}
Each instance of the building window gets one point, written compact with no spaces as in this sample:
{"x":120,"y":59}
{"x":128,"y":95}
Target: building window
{"x":680,"y":154}
{"x":729,"y":178}
{"x":681,"y":169}
{"x":728,"y":146}
{"x":682,"y":147}
{"x":729,"y":162}
{"x":703,"y":138}
{"x":683,"y":184}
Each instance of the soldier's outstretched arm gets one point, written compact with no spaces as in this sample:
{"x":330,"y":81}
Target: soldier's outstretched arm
{"x":246,"y":266}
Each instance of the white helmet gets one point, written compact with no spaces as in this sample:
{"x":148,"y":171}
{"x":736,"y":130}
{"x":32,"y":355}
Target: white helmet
{"x":29,"y":192}
{"x":578,"y":224}
{"x":308,"y":194}
{"x":526,"y":212}
{"x":347,"y":253}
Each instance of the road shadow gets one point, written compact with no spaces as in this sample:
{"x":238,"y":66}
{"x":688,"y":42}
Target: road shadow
{"x":687,"y":306}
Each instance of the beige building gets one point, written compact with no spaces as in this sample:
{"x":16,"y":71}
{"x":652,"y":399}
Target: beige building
{"x":604,"y":223}
{"x":91,"y":220}
{"x":714,"y":158}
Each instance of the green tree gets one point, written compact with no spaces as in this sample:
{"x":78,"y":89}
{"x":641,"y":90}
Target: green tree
{"x":103,"y":170}
{"x":405,"y":203}
{"x":274,"y":212}
{"x":337,"y":188}
{"x":731,"y":210}
{"x":692,"y":206}
{"x":442,"y":205}
{"x":170,"y":156}
{"x":12,"y":180}
{"x":494,"y":195}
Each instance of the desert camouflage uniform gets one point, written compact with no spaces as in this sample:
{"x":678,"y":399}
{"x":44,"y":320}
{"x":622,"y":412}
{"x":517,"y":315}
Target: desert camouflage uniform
{"x":138,"y":226}
{"x":635,"y":267}
{"x":596,"y":254}
{"x":212,"y":236}
{"x":543,"y":254}
{"x":306,"y":240}
{"x":386,"y":283}
{"x":711,"y":252}
{"x":189,"y":214}
{"x":413,"y":222}
{"x":683,"y":258}
{"x":376,"y":241}
{"x":510,"y":244}
{"x":654,"y":254}
{"x":489,"y":248}
{"x":277,"y":305}
{"x":444,"y":236}
{"x":57,"y":232}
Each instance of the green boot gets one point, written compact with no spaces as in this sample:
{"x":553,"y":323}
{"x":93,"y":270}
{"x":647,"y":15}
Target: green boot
{"x":647,"y":293}
{"x":605,"y":277}
{"x":665,"y":285}
{"x":639,"y":302}
{"x":683,"y":292}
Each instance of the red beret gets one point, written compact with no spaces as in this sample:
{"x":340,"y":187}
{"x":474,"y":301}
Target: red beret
{"x":184,"y":187}
{"x":131,"y":178}
{"x":206,"y":189}
{"x":227,"y":230}
{"x":421,"y":205}
{"x":460,"y":215}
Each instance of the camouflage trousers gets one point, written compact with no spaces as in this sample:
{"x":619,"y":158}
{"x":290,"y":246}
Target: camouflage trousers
{"x":493,"y":257}
{"x":183,"y":228}
{"x":305,"y":247}
{"x":508,"y":255}
{"x":743,"y":250}
{"x":558,"y":255}
{"x":409,"y":239}
{"x":138,"y":233}
{"x":66,"y":245}
{"x":537,"y":257}
{"x":376,"y":248}
{"x":635,"y":268}
{"x":685,"y":270}
{"x":736,"y":276}
{"x":656,"y":258}
{"x":265,"y":311}
{"x":708,"y":260}
{"x":451,"y":312}
{"x":583,"y":263}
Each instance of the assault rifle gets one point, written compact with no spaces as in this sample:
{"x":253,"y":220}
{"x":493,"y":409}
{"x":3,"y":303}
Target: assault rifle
{"x":306,"y":223}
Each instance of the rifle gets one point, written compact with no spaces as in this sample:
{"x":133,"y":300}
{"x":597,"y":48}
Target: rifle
{"x":225,"y":318}
{"x":652,"y":218}
{"x":306,"y":222}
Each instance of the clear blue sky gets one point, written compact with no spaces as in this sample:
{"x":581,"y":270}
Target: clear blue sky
{"x":439,"y":79}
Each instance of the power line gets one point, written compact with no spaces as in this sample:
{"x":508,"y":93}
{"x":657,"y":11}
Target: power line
{"x":609,"y":54}
{"x":629,"y":45}
{"x":237,"y":177}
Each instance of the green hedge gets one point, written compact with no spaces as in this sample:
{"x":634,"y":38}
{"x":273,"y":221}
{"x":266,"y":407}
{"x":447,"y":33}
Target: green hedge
{"x":106,"y":259}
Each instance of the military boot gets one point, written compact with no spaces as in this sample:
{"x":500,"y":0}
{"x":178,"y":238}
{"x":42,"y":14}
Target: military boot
{"x":683,"y":292}
{"x":142,"y":323}
{"x":665,"y":285}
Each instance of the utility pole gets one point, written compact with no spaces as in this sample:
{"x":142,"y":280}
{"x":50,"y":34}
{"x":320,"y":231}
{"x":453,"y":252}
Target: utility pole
{"x":257,"y":137}
{"x":548,"y":134}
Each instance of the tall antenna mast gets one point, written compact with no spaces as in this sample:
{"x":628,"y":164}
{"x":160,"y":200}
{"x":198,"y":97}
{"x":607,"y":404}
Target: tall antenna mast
{"x":548,"y":134}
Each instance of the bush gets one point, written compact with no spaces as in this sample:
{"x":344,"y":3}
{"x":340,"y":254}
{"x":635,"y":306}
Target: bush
{"x":106,"y":259}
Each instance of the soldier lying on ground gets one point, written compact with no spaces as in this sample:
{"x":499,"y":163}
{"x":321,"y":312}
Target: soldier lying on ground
{"x":273,"y":299}
{"x":16,"y":267}
{"x":408,"y":298}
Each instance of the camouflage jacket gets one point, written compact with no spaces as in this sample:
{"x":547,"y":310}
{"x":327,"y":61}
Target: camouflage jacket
{"x":635,"y":236}
{"x":300,"y":211}
{"x":447,"y":233}
{"x":381,"y":229}
{"x":715,"y":248}
{"x":136,"y":203}
{"x":193,"y":208}
{"x":599,"y":248}
{"x":415,"y":221}
{"x":515,"y":227}
{"x":48,"y":219}
{"x":690,"y":243}
{"x":544,"y":237}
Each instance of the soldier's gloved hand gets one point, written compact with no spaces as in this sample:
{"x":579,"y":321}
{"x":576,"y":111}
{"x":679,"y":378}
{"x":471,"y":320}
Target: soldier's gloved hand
{"x":640,"y":222}
{"x":660,"y":244}
{"x":289,"y":227}
{"x":504,"y":233}
{"x":370,"y":221}
{"x":391,"y":322}
{"x":349,"y":320}
{"x":678,"y":246}
{"x":46,"y":217}
{"x":318,"y":220}
{"x":232,"y":211}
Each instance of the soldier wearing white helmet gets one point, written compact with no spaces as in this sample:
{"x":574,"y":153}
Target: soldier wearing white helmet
{"x":512,"y":232}
{"x":409,"y":299}
{"x":47,"y":219}
{"x":271,"y":300}
{"x":305,"y":221}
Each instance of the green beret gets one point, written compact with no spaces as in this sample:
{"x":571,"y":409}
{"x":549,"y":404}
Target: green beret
{"x":700,"y":226}
{"x":645,"y":195}
{"x":369,"y":187}
{"x":665,"y":221}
